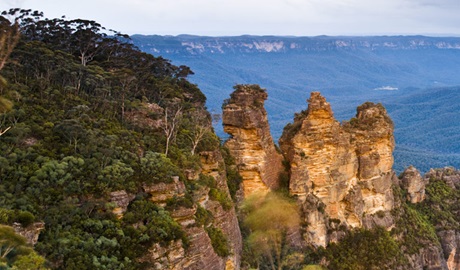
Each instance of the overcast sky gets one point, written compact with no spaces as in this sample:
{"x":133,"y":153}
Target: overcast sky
{"x":259,"y":17}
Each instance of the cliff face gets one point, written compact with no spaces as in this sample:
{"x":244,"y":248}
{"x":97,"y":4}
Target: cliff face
{"x":340,"y":172}
{"x":225,"y":220}
{"x":200,"y":254}
{"x":245,"y":119}
{"x":442,"y":200}
{"x":31,"y":232}
{"x":415,"y":184}
{"x":195,"y":45}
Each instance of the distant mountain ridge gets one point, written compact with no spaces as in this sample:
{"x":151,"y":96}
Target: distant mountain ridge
{"x":410,"y":75}
{"x":269,"y":44}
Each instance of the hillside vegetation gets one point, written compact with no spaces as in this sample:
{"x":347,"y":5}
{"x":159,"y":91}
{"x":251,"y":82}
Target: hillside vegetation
{"x":79,"y":125}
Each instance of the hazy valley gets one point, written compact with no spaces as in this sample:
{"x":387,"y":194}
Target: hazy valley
{"x":415,"y":77}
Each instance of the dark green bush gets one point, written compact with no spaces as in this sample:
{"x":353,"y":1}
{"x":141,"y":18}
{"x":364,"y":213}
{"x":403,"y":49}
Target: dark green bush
{"x":177,"y":202}
{"x":221,"y":197}
{"x":218,"y":241}
{"x":25,"y":218}
{"x":234,"y":178}
{"x":203,"y":217}
{"x":365,"y":249}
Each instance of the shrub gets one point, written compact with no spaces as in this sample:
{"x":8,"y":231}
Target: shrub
{"x":219,"y":241}
{"x":177,"y":202}
{"x":221,"y":197}
{"x":365,"y":249}
{"x":203,"y":217}
{"x":25,"y":218}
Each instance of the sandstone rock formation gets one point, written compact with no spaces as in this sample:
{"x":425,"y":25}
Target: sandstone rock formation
{"x":413,"y":182}
{"x":339,"y":172}
{"x":161,"y":192}
{"x":213,"y":165}
{"x":448,"y":175}
{"x":450,"y":242}
{"x":429,"y":257}
{"x":448,"y":236}
{"x":31,"y":232}
{"x":121,"y":199}
{"x":245,"y":119}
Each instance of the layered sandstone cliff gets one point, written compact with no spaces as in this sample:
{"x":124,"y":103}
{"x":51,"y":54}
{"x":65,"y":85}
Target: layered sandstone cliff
{"x":200,"y":254}
{"x":250,"y":143}
{"x":445,"y":183}
{"x":340,"y":172}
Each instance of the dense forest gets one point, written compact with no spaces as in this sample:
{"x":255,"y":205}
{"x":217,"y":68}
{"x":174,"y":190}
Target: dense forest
{"x":84,"y":113}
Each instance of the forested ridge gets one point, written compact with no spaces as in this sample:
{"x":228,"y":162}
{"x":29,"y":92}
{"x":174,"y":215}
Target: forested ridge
{"x":84,"y":113}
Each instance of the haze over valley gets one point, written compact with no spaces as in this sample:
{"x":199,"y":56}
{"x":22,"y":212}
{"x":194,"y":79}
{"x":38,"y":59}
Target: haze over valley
{"x":415,"y":77}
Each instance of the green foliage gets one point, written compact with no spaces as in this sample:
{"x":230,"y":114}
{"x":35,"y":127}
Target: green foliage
{"x":203,"y":217}
{"x":365,"y":249}
{"x":207,"y":180}
{"x":218,"y":241}
{"x":268,"y":218}
{"x":234,"y":178}
{"x":74,"y":139}
{"x":8,"y":217}
{"x":12,"y":246}
{"x":114,"y":175}
{"x":156,"y":224}
{"x":177,"y":202}
{"x":441,"y":204}
{"x":5,"y":105}
{"x":32,"y":261}
{"x":25,"y":218}
{"x":156,"y":168}
{"x":222,"y":197}
{"x":416,"y":230}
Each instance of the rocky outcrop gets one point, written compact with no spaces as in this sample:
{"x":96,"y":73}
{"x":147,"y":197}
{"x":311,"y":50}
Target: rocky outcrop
{"x":200,"y":254}
{"x":450,"y":242}
{"x":414,"y":184}
{"x":121,"y":199}
{"x":225,"y":220}
{"x":161,"y":192}
{"x":447,"y":227}
{"x":448,"y":175}
{"x":148,"y":115}
{"x":429,"y":257}
{"x":339,"y":171}
{"x":245,"y":120}
{"x":437,"y":192}
{"x":31,"y":232}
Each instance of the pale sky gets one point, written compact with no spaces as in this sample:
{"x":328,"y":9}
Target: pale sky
{"x":259,"y":17}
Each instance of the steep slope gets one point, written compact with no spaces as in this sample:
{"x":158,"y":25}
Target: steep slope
{"x":112,"y":151}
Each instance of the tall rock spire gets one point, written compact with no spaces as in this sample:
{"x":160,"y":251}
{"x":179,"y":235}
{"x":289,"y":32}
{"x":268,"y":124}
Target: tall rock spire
{"x":245,"y":120}
{"x":340,"y":172}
